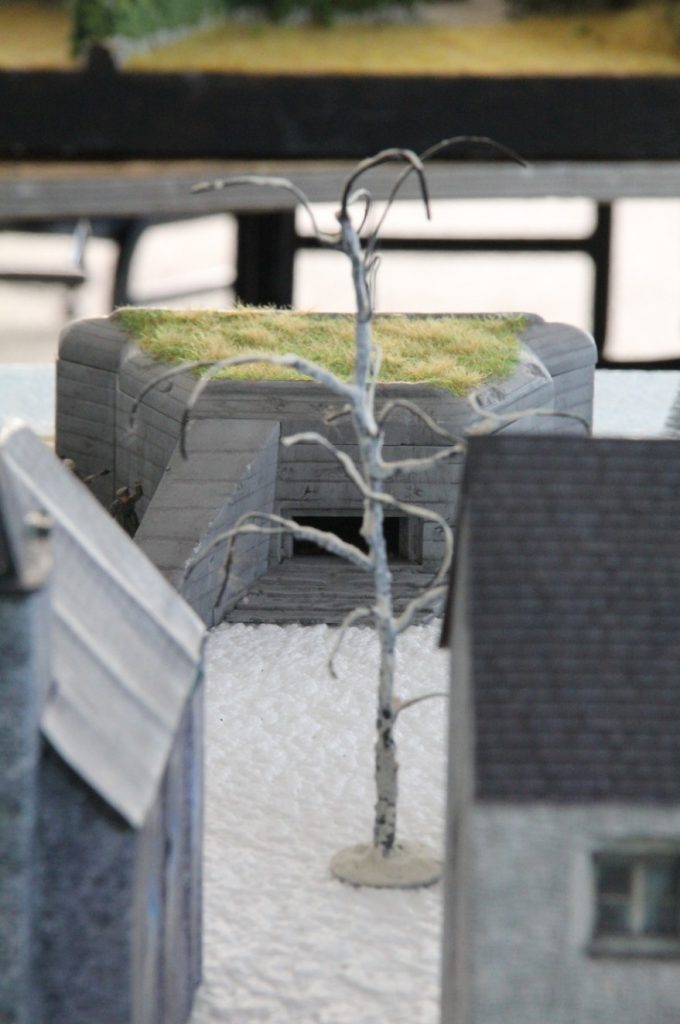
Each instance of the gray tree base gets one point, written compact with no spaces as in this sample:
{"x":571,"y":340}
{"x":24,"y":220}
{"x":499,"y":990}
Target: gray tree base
{"x":409,"y":866}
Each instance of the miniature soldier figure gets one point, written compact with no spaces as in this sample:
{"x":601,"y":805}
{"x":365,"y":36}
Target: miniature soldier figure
{"x":123,"y":507}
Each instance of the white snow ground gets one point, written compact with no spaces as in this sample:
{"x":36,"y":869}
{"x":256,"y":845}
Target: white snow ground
{"x":288,"y":783}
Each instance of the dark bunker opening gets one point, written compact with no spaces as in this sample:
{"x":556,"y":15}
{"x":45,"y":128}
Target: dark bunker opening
{"x":347,"y":528}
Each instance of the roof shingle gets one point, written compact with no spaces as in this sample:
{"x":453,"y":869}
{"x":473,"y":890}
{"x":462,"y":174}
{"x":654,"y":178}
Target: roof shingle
{"x":574,"y":606}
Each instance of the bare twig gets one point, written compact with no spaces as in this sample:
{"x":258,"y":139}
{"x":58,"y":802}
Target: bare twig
{"x":304,"y":367}
{"x":400,"y":706}
{"x":492,"y":419}
{"x":432,"y":598}
{"x":322,"y":538}
{"x":402,"y":467}
{"x":386,"y":155}
{"x":161,"y":379}
{"x":311,"y":437}
{"x":272,"y":181}
{"x":362,"y":195}
{"x":456,"y":140}
{"x":404,"y":403}
{"x":349,"y":620}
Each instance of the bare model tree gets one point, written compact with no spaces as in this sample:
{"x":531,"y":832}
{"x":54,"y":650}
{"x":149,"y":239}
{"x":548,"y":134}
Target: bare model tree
{"x":385,"y":861}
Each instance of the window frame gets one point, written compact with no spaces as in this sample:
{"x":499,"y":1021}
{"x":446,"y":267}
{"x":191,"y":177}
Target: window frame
{"x":637,"y":857}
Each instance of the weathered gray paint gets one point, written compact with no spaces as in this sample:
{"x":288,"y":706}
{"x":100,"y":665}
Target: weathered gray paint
{"x":530,"y":871}
{"x":181,"y":937}
{"x":87,"y":381}
{"x":321,"y":589}
{"x":117,"y":628}
{"x":459,"y":894}
{"x":102,"y":882}
{"x":231,"y":470}
{"x":84,"y":970}
{"x":568,"y":356}
{"x":310,"y":481}
{"x":564,"y":723}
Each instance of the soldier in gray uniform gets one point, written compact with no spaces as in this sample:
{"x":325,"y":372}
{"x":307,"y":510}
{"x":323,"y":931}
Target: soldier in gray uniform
{"x":123,"y":510}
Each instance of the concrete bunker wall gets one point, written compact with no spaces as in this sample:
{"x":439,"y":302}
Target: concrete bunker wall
{"x":555,"y":372}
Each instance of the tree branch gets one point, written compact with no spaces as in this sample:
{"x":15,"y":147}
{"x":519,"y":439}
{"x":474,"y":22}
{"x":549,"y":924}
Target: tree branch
{"x":322,"y":538}
{"x":400,"y":706}
{"x":302,"y":366}
{"x":491,"y":419}
{"x":311,"y":437}
{"x":386,"y":155}
{"x":430,"y":598}
{"x":349,"y":620}
{"x":160,"y":379}
{"x":272,"y":181}
{"x":364,"y":196}
{"x":402,"y":466}
{"x":331,"y":417}
{"x":455,"y":140}
{"x":404,"y":403}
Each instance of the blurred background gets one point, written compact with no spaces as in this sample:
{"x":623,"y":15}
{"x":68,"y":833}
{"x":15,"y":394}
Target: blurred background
{"x":644,"y":318}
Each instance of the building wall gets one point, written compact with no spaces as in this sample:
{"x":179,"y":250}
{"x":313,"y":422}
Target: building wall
{"x":85,"y":881}
{"x":23,"y":680}
{"x":531,"y":877}
{"x":87,"y":376}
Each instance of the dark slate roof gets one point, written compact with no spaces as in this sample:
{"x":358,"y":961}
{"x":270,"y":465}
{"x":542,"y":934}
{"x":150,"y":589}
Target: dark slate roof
{"x":574,"y":603}
{"x":126,"y":650}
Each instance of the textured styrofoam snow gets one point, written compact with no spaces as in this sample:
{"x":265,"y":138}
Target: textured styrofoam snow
{"x":288,"y":783}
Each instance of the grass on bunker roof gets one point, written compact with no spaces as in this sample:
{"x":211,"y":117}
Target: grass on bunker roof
{"x":455,"y":353}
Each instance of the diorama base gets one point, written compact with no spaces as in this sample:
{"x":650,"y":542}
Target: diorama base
{"x":409,"y":866}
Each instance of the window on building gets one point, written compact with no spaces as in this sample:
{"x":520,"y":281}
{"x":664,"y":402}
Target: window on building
{"x":637,"y":901}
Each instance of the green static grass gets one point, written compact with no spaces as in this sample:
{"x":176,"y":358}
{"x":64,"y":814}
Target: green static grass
{"x":456,"y":353}
{"x":639,"y":40}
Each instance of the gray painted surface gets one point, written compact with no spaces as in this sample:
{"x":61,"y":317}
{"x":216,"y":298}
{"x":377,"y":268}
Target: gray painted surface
{"x":231,"y":469}
{"x":103,"y":872}
{"x":118,"y":629}
{"x":85,"y":875}
{"x":317,"y":589}
{"x":530,"y":871}
{"x":569,"y":357}
{"x":309,"y":480}
{"x":458,"y":880}
{"x":87,"y":376}
{"x":564,"y":723}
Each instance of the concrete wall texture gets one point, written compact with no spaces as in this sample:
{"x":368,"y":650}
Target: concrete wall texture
{"x":101,"y":374}
{"x":532,"y":919}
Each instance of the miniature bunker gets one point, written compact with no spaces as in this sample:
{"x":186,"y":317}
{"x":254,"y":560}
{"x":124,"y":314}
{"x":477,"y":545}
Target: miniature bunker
{"x":101,"y":688}
{"x":236,"y":464}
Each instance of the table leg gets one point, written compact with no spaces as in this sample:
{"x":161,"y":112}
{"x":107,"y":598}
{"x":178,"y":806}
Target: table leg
{"x":265,"y":255}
